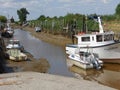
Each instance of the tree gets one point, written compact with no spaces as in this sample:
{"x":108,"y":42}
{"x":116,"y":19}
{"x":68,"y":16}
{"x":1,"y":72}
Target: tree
{"x":117,"y":10}
{"x":3,"y":19}
{"x":22,"y":14}
{"x":42,"y":18}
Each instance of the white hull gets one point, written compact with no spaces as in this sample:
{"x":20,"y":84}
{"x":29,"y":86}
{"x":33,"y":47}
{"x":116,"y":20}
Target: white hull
{"x":20,"y":57}
{"x":16,"y":55}
{"x":85,"y":62}
{"x":108,"y":52}
{"x":77,"y":63}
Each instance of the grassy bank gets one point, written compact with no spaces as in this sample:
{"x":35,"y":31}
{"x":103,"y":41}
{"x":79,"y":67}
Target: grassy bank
{"x":112,"y":25}
{"x":53,"y":39}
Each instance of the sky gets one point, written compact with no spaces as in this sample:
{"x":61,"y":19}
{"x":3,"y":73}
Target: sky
{"x":57,"y":8}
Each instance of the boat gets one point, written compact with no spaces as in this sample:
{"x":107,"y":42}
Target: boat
{"x":103,"y":43}
{"x":38,"y":29}
{"x":16,"y":55}
{"x":14,"y":44}
{"x":8,"y":31}
{"x":86,"y":60}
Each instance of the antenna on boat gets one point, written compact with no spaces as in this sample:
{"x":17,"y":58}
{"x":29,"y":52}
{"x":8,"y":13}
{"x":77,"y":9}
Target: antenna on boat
{"x":100,"y":25}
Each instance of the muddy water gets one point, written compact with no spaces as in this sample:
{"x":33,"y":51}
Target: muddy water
{"x":109,"y":75}
{"x":39,"y":49}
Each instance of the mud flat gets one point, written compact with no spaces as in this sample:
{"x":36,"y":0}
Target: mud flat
{"x":41,"y":81}
{"x":58,"y":40}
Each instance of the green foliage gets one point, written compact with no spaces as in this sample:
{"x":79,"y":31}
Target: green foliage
{"x":118,"y":10}
{"x":41,"y":18}
{"x":92,"y":25}
{"x":109,"y":17}
{"x":57,"y":25}
{"x":22,"y":14}
{"x":3,"y":19}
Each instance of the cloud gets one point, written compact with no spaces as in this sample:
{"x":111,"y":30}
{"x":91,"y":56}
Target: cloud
{"x":57,"y":7}
{"x":105,"y":1}
{"x":64,"y":1}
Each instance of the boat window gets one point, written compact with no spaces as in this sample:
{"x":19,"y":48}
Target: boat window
{"x":99,"y":38}
{"x":85,"y":39}
{"x":111,"y":37}
{"x":108,"y":37}
{"x":92,"y":38}
{"x":16,"y":42}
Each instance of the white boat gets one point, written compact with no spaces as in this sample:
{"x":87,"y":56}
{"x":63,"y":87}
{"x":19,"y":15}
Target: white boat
{"x":16,"y":55}
{"x":9,"y":29}
{"x":103,"y":43}
{"x":14,"y":44}
{"x":86,"y":60}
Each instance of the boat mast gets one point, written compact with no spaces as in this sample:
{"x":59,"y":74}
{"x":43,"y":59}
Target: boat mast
{"x":100,"y":25}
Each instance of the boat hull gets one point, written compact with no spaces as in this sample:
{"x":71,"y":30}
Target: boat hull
{"x":85,"y":63}
{"x":77,"y":63}
{"x":107,"y":53}
{"x":16,"y":55}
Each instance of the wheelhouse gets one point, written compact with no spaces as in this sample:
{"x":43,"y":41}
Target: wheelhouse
{"x":95,"y":38}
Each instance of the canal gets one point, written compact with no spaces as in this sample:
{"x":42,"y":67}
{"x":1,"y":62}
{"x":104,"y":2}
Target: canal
{"x":109,"y":75}
{"x":39,"y":49}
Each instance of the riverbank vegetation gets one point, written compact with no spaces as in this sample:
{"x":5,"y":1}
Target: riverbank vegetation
{"x":64,"y":25}
{"x":71,"y":23}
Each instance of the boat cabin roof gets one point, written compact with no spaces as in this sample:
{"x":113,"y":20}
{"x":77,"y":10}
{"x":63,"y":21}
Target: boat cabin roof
{"x":95,"y":37}
{"x":14,"y":41}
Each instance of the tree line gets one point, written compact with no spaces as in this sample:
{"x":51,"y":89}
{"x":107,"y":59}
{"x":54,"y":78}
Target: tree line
{"x":64,"y":25}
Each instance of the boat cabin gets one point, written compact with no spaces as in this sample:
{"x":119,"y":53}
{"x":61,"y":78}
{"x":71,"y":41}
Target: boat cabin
{"x":95,"y":39}
{"x":14,"y":42}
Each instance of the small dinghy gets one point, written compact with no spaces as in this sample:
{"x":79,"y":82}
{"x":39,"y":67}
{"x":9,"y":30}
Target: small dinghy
{"x":86,"y":60}
{"x":16,"y":55}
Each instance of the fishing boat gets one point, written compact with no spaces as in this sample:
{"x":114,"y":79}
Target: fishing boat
{"x":86,"y":60}
{"x":16,"y":55}
{"x":8,"y":31}
{"x":103,"y":43}
{"x":15,"y":44}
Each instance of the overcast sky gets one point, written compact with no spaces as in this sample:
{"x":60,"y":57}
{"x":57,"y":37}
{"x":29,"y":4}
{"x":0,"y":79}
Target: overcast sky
{"x":57,"y":7}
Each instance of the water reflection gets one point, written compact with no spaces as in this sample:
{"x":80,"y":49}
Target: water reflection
{"x":109,"y":75}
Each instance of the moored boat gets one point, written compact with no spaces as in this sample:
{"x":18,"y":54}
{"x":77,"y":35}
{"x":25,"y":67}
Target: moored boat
{"x":8,"y":31}
{"x":16,"y":55}
{"x":15,"y":44}
{"x":103,"y":43}
{"x":86,"y":60}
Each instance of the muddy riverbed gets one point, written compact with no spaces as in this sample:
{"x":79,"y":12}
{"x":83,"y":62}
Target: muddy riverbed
{"x":56,"y":63}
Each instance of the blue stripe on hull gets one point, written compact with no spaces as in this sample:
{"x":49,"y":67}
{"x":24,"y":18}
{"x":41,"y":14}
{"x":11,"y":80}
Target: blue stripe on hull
{"x":76,"y":45}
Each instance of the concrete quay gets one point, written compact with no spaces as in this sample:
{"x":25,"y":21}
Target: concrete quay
{"x":41,"y":81}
